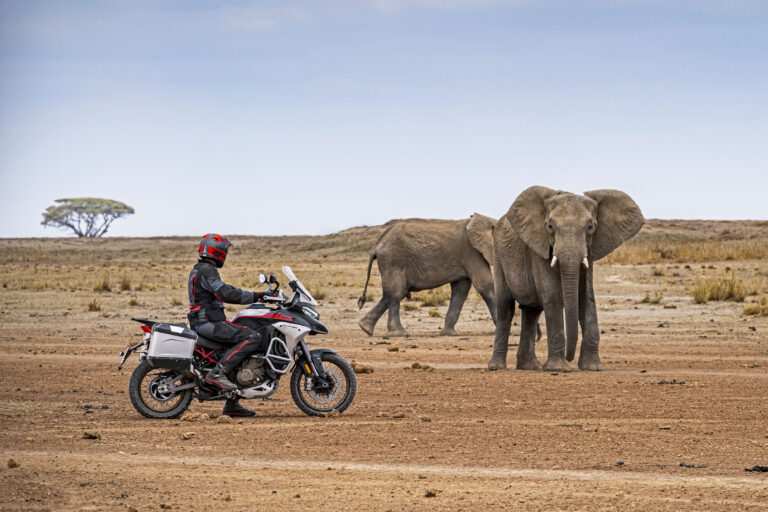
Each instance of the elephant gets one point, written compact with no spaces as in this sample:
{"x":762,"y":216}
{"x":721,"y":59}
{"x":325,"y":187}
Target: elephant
{"x":545,"y":247}
{"x":419,"y":254}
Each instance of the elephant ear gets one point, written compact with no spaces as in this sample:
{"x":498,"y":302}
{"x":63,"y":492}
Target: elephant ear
{"x":480,"y":233}
{"x":528,"y":216}
{"x":618,"y":219}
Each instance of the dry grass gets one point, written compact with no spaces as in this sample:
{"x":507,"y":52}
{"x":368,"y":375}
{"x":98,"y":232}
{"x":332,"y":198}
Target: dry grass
{"x":654,"y":251}
{"x":175,"y":302}
{"x":434,"y":313}
{"x":409,"y":307}
{"x":318,"y":292}
{"x":94,"y":305}
{"x":125,"y":283}
{"x":656,"y":299}
{"x":435,"y":297}
{"x":724,"y":287}
{"x":758,"y":308}
{"x":133,"y":302}
{"x":103,"y":284}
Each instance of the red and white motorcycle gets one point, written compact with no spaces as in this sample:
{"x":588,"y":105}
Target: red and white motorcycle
{"x":175,"y":359}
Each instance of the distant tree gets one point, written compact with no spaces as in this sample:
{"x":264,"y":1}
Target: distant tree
{"x":85,"y":216}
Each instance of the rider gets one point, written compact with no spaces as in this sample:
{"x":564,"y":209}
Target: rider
{"x":207,"y":294}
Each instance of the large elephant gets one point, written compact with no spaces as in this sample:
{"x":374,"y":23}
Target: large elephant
{"x":419,"y":254}
{"x":545,"y":247}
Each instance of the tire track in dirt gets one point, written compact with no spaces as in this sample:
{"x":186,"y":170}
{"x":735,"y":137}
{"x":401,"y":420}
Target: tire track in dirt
{"x":268,"y":422}
{"x":641,"y":478}
{"x":396,"y":365}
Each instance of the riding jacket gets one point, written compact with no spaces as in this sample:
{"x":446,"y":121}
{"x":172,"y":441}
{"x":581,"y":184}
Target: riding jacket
{"x":208,"y":293}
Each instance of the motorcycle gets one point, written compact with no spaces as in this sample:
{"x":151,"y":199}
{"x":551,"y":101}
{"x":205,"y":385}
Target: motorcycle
{"x":175,"y":359}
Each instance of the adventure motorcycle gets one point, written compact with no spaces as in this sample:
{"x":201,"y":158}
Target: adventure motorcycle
{"x":175,"y":359}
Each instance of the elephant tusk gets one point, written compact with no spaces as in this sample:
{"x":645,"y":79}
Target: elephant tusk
{"x":554,"y":261}
{"x":585,"y":262}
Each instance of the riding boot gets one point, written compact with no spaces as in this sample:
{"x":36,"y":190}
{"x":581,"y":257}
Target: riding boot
{"x":232,"y":407}
{"x":218,"y":377}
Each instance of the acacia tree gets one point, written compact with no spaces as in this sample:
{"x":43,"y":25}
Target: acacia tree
{"x":85,"y":216}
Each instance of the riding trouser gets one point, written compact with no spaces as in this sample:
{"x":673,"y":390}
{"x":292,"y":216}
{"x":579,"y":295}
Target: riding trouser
{"x":244,"y":340}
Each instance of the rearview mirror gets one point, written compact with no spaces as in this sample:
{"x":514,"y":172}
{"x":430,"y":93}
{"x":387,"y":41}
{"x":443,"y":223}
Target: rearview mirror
{"x":272,"y":278}
{"x":262,"y":278}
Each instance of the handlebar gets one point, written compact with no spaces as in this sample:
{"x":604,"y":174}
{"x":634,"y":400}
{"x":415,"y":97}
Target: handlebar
{"x":299,"y":290}
{"x":281,"y":298}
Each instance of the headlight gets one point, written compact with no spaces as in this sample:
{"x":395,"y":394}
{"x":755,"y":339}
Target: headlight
{"x":311,"y":312}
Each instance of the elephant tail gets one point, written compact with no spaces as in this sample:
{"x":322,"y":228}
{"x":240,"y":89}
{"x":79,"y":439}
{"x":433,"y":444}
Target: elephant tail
{"x":361,"y":300}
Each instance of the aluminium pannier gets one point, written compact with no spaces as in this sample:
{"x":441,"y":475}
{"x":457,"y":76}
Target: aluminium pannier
{"x":171,"y":346}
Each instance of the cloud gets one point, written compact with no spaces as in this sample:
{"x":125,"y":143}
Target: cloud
{"x":398,"y":5}
{"x":257,"y":19}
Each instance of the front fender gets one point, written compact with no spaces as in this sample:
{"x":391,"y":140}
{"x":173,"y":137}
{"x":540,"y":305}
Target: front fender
{"x":320,"y":351}
{"x":317,"y":361}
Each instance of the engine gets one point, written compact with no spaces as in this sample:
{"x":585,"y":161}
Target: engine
{"x":252,"y":372}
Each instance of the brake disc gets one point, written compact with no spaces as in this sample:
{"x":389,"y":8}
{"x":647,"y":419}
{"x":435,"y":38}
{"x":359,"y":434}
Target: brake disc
{"x":332,"y":393}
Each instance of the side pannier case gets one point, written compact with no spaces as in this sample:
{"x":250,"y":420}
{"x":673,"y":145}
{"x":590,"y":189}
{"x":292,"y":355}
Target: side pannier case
{"x":171,"y":346}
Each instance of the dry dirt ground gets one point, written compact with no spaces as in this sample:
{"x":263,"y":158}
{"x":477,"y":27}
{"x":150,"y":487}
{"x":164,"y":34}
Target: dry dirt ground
{"x":683,"y":384}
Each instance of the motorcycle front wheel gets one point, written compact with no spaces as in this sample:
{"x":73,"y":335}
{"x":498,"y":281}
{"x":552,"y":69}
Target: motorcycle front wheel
{"x":338,"y":397}
{"x":150,"y":395}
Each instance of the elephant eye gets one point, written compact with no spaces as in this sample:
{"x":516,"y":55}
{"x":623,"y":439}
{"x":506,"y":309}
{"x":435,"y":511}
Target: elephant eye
{"x":590,"y":226}
{"x":550,"y":226}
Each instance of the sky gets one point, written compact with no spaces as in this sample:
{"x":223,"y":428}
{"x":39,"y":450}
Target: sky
{"x":308,"y":117}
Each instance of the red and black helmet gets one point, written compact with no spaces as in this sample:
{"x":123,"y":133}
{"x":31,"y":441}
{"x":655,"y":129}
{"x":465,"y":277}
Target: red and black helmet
{"x":214,"y":247}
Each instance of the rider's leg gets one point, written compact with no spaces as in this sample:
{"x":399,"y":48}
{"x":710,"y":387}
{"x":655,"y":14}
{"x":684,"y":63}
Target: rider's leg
{"x":232,"y":407}
{"x":245,"y":342}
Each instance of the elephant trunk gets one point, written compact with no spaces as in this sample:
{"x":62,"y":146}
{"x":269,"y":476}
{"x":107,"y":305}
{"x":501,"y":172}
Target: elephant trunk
{"x":569,"y":276}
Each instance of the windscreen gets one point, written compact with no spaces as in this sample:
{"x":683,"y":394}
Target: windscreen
{"x":307,"y":297}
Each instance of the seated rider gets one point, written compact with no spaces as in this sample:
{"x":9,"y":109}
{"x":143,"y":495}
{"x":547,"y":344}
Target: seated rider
{"x":207,"y":294}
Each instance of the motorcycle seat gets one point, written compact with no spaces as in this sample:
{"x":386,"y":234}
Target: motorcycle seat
{"x":209,"y":343}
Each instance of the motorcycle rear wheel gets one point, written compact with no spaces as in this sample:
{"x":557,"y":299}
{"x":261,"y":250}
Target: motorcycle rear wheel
{"x":339,"y":397}
{"x":149,"y":398}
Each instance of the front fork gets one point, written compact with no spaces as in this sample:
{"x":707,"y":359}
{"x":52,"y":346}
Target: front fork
{"x":311,"y":364}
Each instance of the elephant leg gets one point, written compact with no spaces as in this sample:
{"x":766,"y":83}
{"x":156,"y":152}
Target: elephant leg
{"x":505,"y":310}
{"x":590,"y":332}
{"x":553,"y":314}
{"x":368,"y":322}
{"x":395,"y":289}
{"x":526,"y":350}
{"x":483,"y":283}
{"x":394,"y":327}
{"x":459,"y":292}
{"x":486,"y":292}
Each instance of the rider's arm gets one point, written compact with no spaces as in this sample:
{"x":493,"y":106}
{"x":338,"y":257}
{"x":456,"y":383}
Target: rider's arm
{"x":228,"y":293}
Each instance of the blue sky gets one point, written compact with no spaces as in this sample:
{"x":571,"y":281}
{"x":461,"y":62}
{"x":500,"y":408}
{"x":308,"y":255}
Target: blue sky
{"x":302,"y":117}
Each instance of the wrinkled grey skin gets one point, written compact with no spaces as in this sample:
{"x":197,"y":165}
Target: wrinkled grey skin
{"x":419,"y":254}
{"x":540,"y":224}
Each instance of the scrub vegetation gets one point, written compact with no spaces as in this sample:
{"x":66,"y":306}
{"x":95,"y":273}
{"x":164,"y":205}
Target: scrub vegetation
{"x":757,"y":308}
{"x":723,"y":287}
{"x":647,"y":299}
{"x":694,"y":242}
{"x":435,"y":297}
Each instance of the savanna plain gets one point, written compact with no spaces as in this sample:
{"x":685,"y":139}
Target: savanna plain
{"x":678,"y":414}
